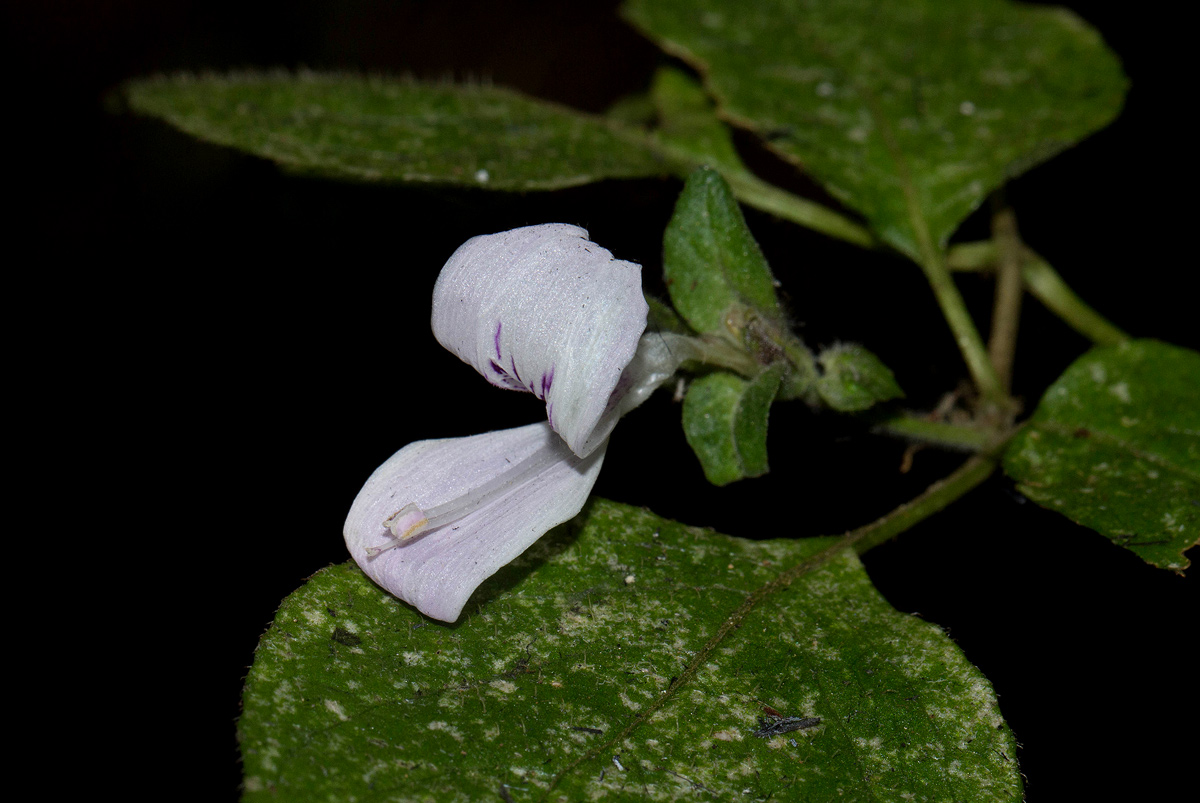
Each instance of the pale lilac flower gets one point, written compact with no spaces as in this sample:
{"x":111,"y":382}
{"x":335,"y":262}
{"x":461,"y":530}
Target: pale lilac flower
{"x":539,"y":309}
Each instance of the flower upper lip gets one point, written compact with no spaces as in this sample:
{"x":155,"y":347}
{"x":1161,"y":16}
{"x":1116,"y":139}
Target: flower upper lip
{"x":543,"y":309}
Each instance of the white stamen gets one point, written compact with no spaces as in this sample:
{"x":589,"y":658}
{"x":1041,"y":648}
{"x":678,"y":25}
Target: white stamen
{"x":410,"y":520}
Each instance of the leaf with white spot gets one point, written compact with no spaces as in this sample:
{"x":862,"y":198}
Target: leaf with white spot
{"x":909,"y":111}
{"x":1115,"y":445}
{"x":628,"y":657}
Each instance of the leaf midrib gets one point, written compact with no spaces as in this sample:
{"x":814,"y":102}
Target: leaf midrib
{"x":1068,"y":430}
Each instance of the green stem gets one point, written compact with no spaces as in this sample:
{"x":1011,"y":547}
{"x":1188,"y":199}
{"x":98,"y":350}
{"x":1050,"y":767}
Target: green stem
{"x":801,"y":381}
{"x":712,"y":351}
{"x":970,"y":344}
{"x":1006,"y":311}
{"x":950,"y":436}
{"x":755,"y":192}
{"x":1046,"y":285}
{"x":977,"y":256}
{"x":935,"y":498}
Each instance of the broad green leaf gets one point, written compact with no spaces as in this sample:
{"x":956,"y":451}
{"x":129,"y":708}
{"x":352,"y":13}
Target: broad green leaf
{"x":375,"y":129}
{"x":854,"y":379}
{"x":725,"y":421}
{"x":909,"y":111}
{"x":1115,"y":445}
{"x":621,"y":658}
{"x":715,"y":272}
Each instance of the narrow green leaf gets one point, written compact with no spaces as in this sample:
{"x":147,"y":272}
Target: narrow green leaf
{"x":750,"y":420}
{"x":603,"y":663}
{"x":854,"y":379}
{"x":1115,"y":445}
{"x":909,"y":111}
{"x":375,"y":129}
{"x":715,"y":272}
{"x":725,"y":421}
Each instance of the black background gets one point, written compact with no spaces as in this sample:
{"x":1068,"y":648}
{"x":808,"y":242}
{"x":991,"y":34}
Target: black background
{"x":234,"y":351}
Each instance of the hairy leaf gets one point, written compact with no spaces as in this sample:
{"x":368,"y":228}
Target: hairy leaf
{"x":909,"y":111}
{"x":854,"y":379}
{"x":715,"y":272}
{"x":604,"y":664}
{"x":725,"y":421}
{"x":1115,"y":445}
{"x":375,"y":129}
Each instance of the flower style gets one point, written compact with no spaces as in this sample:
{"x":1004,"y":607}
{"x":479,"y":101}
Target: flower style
{"x":539,"y":309}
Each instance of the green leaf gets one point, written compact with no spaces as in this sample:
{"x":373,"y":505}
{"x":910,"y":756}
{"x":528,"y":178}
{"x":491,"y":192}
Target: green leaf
{"x":375,"y":129}
{"x":621,"y":657}
{"x":854,"y":379}
{"x":715,"y":272}
{"x":688,"y":124}
{"x":1115,"y":445}
{"x":909,"y":111}
{"x":725,"y":421}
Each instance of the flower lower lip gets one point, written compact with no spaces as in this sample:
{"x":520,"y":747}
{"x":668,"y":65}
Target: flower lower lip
{"x":411,"y":521}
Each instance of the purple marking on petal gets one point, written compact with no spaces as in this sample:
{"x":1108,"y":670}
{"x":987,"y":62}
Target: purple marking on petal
{"x":503,"y":377}
{"x":499,"y":356}
{"x":622,"y":387}
{"x":547,"y":382}
{"x":513,"y":362}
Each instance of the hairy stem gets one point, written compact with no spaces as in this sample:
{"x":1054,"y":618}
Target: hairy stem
{"x":979,"y":256}
{"x":970,"y":344}
{"x":934,"y":499}
{"x":717,"y":353}
{"x":1006,"y":311}
{"x":1044,"y":283}
{"x":951,"y":436}
{"x":755,"y":192}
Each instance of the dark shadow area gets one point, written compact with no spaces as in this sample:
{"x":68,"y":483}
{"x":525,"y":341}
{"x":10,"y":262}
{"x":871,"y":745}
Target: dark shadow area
{"x":222,"y":354}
